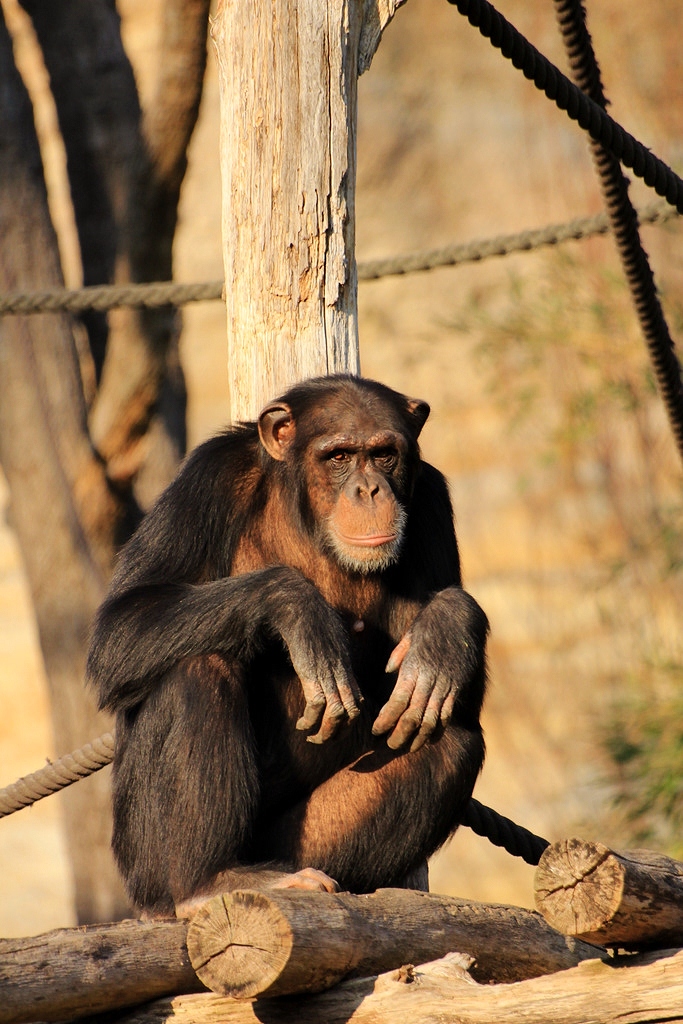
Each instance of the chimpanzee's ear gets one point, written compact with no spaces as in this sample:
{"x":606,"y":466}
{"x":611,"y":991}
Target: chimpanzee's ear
{"x":276,"y":429}
{"x":418,"y":412}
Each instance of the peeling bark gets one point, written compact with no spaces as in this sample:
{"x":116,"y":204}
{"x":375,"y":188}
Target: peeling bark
{"x":288,"y":95}
{"x":288,"y":75}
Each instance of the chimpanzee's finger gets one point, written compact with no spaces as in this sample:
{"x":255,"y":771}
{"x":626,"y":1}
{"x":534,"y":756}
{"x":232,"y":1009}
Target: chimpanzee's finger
{"x":424,"y":711}
{"x":334,"y":714}
{"x":411,"y":719}
{"x":398,"y":654}
{"x":349,"y":692}
{"x":316,"y":703}
{"x":341,"y":691}
{"x":430,"y":720}
{"x":395,"y":706}
{"x":448,"y":707}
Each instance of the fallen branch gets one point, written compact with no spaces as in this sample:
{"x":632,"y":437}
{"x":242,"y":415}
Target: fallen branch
{"x":74,"y":972}
{"x":648,"y":991}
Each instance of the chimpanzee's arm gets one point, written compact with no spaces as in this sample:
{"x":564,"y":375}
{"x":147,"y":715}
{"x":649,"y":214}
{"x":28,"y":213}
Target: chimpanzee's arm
{"x":168,"y":600}
{"x":142,"y":633}
{"x":441,"y":671}
{"x":440,"y":658}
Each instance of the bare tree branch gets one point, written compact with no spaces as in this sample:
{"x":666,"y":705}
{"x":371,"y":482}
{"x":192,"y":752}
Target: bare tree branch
{"x":126,"y":181}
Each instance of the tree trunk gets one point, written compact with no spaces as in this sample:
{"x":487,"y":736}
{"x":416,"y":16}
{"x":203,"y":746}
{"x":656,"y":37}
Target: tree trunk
{"x":288,"y":83}
{"x":125,"y":172}
{"x":93,"y":87}
{"x":69,"y":520}
{"x":62,"y":508}
{"x":631,"y":899}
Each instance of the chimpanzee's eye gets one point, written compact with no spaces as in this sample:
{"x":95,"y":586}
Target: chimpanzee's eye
{"x":385,"y":458}
{"x":339,"y":456}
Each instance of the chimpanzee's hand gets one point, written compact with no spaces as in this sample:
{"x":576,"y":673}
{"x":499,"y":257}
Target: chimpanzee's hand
{"x":440,"y":661}
{"x":316,"y":639}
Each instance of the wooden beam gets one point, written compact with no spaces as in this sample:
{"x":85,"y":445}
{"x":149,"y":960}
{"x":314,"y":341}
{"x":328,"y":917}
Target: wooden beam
{"x":246,"y":944}
{"x":632,"y":899}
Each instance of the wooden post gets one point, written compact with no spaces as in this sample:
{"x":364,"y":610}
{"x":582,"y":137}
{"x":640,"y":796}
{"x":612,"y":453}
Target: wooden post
{"x":632,"y":899}
{"x":288,"y":74}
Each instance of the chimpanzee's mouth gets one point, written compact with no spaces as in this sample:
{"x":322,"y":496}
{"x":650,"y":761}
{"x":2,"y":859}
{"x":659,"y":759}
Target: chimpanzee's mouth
{"x":368,"y":540}
{"x":367,"y":553}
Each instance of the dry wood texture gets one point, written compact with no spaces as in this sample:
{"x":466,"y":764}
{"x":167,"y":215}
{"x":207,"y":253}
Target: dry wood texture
{"x":288,"y":82}
{"x":245,"y":944}
{"x":648,"y":991}
{"x":73,"y":972}
{"x":632,"y":899}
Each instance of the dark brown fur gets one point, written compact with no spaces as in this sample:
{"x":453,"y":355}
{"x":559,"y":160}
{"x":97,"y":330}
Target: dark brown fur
{"x":259,"y":575}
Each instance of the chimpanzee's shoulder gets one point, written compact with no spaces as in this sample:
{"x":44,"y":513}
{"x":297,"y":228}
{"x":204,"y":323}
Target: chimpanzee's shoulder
{"x":431,"y":486}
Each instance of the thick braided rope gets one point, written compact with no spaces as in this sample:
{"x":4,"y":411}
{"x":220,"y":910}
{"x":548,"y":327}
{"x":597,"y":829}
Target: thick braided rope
{"x":162,"y":293}
{"x":503,"y":832}
{"x":57,"y":775}
{"x":110,"y":296}
{"x":505,"y":245}
{"x":571,"y":17}
{"x":568,"y":97}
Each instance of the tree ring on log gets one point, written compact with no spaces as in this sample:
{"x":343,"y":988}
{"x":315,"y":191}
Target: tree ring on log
{"x":219,"y":949}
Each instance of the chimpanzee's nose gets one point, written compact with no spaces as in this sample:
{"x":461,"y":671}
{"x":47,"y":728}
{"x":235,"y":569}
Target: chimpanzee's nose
{"x":367,"y":489}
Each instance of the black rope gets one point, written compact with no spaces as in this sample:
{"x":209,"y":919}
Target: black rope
{"x":568,"y":97}
{"x":585,"y":103}
{"x":501,"y":831}
{"x":571,"y":16}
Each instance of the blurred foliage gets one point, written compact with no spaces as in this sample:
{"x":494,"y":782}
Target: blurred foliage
{"x":564,"y":360}
{"x":644,"y":742}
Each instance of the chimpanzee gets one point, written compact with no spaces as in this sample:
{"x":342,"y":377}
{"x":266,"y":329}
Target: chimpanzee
{"x":296,"y":670}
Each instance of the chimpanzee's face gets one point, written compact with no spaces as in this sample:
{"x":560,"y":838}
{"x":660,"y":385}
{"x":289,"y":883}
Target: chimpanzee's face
{"x":354,"y":459}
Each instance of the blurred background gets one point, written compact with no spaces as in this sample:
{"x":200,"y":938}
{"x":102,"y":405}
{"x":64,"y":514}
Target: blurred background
{"x":564,"y":475}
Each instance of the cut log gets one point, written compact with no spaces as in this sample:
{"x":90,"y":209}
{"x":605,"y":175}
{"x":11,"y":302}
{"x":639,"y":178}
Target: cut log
{"x":648,"y":991}
{"x":319,"y":938}
{"x":73,"y":972}
{"x":632,"y":899}
{"x":279,"y":942}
